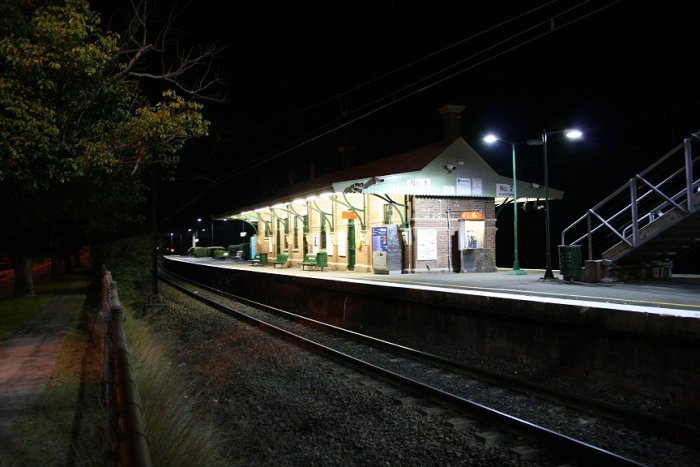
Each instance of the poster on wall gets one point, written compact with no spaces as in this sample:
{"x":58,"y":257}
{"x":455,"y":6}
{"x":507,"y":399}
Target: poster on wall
{"x":464,"y":187}
{"x":329,"y":243}
{"x":342,"y":243}
{"x":426,"y":244}
{"x":269,"y":244}
{"x":477,"y":187}
{"x":315,"y":243}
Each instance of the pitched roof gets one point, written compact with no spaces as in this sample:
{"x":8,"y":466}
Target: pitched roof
{"x":477,"y":177}
{"x":409,"y":161}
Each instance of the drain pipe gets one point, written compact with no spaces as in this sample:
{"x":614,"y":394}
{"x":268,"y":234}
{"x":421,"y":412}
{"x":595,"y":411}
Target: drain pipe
{"x":449,"y":241}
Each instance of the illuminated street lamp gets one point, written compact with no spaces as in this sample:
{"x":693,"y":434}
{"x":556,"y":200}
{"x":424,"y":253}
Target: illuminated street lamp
{"x":195,"y":234}
{"x":571,"y":133}
{"x":490,"y":139}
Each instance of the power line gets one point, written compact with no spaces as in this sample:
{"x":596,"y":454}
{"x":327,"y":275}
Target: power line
{"x":393,"y":99}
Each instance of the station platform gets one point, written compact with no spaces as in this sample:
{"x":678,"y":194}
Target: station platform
{"x":640,"y":338}
{"x":678,"y":295}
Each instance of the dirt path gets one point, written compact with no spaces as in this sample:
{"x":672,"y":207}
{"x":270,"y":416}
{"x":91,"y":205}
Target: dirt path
{"x":27,"y":360}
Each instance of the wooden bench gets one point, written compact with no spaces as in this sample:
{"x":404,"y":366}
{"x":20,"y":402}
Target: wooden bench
{"x":281,"y":260}
{"x":312,"y":262}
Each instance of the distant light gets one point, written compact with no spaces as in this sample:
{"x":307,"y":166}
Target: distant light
{"x":242,"y":234}
{"x":491,"y":138}
{"x":574,"y":133}
{"x":199,"y":219}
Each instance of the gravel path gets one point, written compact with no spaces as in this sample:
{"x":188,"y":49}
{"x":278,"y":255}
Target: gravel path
{"x":279,"y":405}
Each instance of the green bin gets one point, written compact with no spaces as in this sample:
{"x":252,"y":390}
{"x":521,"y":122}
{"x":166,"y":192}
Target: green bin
{"x":570,"y":263}
{"x":322,"y":259}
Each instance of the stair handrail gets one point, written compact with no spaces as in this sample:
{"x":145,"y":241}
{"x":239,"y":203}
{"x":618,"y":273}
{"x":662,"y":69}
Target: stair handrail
{"x":631,"y":188}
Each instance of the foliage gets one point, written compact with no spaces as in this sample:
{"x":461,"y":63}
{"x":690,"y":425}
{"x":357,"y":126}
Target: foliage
{"x":75,"y":126}
{"x":129,"y":261}
{"x":198,"y":252}
{"x":55,"y":96}
{"x":217,"y":251}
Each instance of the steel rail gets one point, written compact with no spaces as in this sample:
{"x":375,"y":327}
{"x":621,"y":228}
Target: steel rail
{"x":556,"y":442}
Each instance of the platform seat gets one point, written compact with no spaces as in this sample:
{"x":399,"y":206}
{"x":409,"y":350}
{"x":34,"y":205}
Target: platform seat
{"x":238,"y":256}
{"x":309,"y":261}
{"x":260,"y":259}
{"x":281,"y":261}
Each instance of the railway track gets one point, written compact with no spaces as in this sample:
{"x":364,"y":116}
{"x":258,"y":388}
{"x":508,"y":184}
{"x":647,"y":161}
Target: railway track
{"x":535,"y":422}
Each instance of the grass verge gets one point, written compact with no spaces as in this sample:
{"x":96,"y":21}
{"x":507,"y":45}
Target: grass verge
{"x":16,"y":312}
{"x":180,"y":432}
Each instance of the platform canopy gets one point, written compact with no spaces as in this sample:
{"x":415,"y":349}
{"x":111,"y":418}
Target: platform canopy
{"x":453,"y":170}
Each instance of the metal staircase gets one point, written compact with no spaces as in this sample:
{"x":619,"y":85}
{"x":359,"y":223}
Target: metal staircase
{"x":643,"y":226}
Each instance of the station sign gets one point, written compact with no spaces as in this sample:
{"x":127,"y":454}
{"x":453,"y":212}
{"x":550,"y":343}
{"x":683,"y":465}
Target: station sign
{"x":472,"y":216}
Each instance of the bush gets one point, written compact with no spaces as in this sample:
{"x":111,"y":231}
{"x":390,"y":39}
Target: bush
{"x":129,"y":259}
{"x":198,"y":252}
{"x":216,"y":251}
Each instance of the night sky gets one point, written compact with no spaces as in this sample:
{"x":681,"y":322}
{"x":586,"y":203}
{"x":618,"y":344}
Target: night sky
{"x":304,"y":77}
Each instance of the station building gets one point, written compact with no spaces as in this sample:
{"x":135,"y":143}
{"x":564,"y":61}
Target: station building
{"x":432,"y":208}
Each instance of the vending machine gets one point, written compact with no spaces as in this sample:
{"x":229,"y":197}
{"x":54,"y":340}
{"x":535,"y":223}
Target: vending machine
{"x":387,"y":255}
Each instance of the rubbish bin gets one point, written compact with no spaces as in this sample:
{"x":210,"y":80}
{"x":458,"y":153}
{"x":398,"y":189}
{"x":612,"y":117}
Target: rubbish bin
{"x":322,"y":259}
{"x":570,"y":264}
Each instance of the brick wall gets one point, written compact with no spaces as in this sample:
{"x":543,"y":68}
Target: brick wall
{"x":431,"y":213}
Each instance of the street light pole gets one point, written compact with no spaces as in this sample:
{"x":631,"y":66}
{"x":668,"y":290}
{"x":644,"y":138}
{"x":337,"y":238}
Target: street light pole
{"x":571,"y":134}
{"x":195,"y":231}
{"x":516,"y":262}
{"x":548,"y":273}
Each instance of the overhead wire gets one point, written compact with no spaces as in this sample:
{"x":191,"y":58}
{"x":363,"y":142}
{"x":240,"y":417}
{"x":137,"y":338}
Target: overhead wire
{"x":393,"y":99}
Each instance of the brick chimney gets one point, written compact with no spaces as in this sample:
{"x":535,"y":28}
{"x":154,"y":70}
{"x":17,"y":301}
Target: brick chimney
{"x":346,"y":152}
{"x":451,"y":124}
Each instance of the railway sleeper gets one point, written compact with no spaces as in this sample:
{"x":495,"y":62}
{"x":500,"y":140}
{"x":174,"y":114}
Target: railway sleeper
{"x":492,"y":438}
{"x":526,"y":453}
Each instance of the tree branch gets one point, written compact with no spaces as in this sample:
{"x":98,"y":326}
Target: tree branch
{"x":161,"y":56}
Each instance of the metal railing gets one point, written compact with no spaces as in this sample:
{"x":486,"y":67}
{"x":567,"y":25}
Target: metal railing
{"x":121,"y":391}
{"x":668,"y":184}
